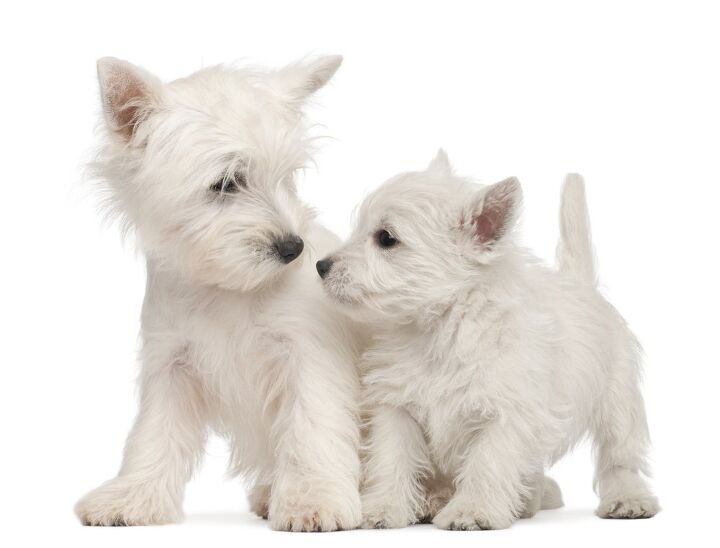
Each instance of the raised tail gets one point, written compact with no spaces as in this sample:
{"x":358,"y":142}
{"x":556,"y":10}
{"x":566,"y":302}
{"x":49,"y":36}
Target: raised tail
{"x":575,"y":251}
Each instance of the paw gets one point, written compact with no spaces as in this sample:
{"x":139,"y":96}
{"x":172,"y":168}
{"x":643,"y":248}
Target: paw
{"x":386,"y":517}
{"x":306,"y":514}
{"x":121,"y":502}
{"x":435,"y":501}
{"x":629,"y":507}
{"x":469,"y":515}
{"x":259,"y":500}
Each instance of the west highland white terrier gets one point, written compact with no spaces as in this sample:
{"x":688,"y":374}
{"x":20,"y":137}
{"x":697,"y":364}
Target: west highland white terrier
{"x":486,"y":366}
{"x":237,"y":334}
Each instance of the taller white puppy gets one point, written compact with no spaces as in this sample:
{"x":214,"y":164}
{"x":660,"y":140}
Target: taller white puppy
{"x":490,"y":366}
{"x":237,"y":333}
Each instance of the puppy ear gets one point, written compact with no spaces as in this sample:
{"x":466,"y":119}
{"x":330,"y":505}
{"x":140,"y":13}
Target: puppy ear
{"x":440,"y":164}
{"x":495,"y":212}
{"x":302,"y":79}
{"x":127,"y":93}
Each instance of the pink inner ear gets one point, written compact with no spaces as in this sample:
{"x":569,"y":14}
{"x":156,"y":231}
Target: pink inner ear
{"x":124,"y":102}
{"x":489,"y":223}
{"x":497,"y":207}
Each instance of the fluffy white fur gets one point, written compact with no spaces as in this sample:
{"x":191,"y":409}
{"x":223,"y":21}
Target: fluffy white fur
{"x":234,"y":340}
{"x":487,"y":367}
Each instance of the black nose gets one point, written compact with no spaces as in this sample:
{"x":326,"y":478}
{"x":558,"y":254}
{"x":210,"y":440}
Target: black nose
{"x":323,"y":267}
{"x":289,"y":249}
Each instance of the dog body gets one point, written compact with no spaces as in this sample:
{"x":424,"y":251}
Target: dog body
{"x":486,"y":367}
{"x":237,"y":335}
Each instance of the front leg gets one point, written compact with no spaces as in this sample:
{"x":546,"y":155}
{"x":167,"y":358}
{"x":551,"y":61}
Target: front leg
{"x":316,"y":438}
{"x":160,"y":453}
{"x":394,"y":466}
{"x":491,"y":487}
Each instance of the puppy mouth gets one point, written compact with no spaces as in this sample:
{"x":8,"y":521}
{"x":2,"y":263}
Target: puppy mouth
{"x":338,"y":292}
{"x":342,"y":297}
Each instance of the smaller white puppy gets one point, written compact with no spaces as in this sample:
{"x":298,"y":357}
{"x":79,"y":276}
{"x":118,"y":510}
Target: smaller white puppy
{"x":487,"y":367}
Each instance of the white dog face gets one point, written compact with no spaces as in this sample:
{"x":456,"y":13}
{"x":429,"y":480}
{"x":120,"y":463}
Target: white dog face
{"x":420,"y":239}
{"x":203,"y":167}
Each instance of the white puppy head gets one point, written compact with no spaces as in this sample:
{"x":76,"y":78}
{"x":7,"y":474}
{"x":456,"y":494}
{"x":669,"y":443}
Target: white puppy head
{"x":421,"y":240}
{"x":203,"y":168}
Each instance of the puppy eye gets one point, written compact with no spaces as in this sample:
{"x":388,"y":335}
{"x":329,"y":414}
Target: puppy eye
{"x":229,"y":185}
{"x":385,"y":239}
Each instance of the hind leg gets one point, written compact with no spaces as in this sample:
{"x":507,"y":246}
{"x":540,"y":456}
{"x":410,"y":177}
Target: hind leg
{"x":545,"y":495}
{"x":438,"y":492}
{"x":621,"y":445}
{"x":259,"y":499}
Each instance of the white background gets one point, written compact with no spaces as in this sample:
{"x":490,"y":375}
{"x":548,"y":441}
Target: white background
{"x":626,"y":93}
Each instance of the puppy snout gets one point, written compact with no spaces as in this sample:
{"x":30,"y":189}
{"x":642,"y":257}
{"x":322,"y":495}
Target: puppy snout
{"x":289,"y":249}
{"x":323,"y":267}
